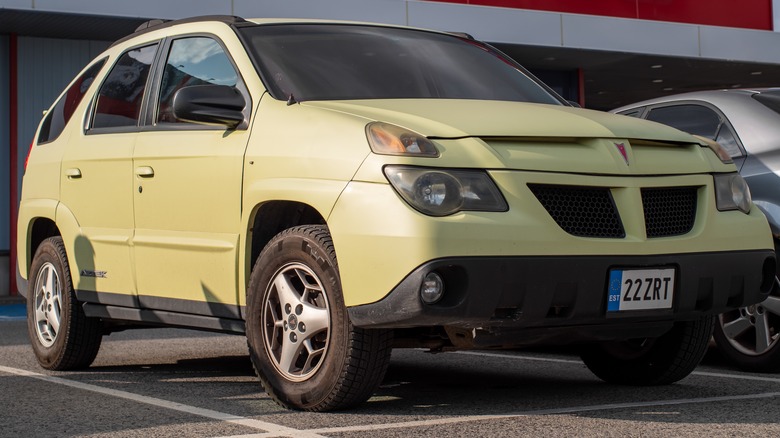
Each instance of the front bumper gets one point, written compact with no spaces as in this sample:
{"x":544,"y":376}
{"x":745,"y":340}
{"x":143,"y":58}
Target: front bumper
{"x":567,"y":291}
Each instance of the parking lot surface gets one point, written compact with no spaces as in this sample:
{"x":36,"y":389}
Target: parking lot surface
{"x":167,"y":382}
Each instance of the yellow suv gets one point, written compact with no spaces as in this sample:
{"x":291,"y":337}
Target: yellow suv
{"x":333,"y":190}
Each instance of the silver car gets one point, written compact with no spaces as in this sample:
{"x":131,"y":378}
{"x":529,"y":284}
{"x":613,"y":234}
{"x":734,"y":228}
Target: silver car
{"x":747,"y":124}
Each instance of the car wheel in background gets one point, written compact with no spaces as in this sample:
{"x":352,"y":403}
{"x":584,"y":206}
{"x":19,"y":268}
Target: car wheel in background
{"x":62,"y":337}
{"x":306,"y":352}
{"x":651,"y":361}
{"x":749,"y":337}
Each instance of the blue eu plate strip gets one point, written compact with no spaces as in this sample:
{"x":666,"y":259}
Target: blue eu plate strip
{"x":615,"y":281}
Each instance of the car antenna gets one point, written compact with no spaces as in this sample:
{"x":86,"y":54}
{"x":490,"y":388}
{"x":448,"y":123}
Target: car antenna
{"x":291,"y":100}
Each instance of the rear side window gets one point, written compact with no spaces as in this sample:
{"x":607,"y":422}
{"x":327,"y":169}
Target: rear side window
{"x":770,"y":99}
{"x":120,"y":96}
{"x":58,"y":117}
{"x":698,"y":120}
{"x":636,"y":112}
{"x":693,"y":119}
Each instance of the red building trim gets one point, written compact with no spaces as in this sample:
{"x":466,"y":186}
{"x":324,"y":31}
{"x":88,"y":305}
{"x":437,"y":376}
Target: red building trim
{"x":14,"y":159}
{"x":747,"y":14}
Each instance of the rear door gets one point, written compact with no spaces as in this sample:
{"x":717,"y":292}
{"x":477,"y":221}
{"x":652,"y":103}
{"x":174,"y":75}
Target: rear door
{"x":96,"y":184}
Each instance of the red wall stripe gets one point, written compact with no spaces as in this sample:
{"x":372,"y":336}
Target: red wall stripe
{"x":14,"y":161}
{"x":748,"y":14}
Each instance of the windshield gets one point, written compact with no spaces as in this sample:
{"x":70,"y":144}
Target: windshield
{"x":339,"y":62}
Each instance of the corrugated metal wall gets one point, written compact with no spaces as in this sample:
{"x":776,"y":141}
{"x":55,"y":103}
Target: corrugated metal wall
{"x":45,"y":67}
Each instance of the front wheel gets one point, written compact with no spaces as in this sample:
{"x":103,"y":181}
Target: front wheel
{"x":651,"y":361}
{"x":306,"y":352}
{"x":749,"y":337}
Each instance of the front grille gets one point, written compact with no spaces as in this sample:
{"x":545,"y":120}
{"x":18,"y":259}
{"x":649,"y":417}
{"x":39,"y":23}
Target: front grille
{"x":669,"y":211}
{"x":581,"y":211}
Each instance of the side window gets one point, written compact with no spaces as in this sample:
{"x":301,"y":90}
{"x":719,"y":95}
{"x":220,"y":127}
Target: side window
{"x":694,"y":119}
{"x":636,"y":112}
{"x":728,"y":140}
{"x":119,"y":99}
{"x":192,"y":61}
{"x":58,"y":117}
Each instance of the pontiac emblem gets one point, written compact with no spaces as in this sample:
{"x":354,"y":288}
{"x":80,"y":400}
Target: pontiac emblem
{"x":622,"y":148}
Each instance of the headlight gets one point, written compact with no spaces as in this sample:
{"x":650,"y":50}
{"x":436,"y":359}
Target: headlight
{"x":389,"y":139}
{"x":441,"y":192}
{"x":732,"y":192}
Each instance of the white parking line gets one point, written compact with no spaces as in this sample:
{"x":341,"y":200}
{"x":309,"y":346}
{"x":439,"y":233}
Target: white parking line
{"x":579,"y":362}
{"x":558,"y":411}
{"x":273,"y":429}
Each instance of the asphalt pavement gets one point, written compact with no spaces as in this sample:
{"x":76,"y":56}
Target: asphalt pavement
{"x":174,"y":383}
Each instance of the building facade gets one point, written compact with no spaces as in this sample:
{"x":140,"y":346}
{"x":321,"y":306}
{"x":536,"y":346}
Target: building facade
{"x":600,"y":54}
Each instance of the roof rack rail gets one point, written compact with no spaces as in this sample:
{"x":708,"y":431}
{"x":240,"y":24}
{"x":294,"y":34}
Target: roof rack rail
{"x":156,"y":24}
{"x":150,"y":23}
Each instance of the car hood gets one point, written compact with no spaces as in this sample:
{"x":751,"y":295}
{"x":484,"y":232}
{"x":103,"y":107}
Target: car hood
{"x":452,"y":118}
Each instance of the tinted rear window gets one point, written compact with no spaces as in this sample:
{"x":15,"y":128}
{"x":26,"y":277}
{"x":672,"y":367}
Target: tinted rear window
{"x":770,"y":99}
{"x":58,"y":117}
{"x":334,"y":62}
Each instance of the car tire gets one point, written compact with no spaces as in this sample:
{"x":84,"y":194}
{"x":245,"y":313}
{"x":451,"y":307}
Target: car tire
{"x":749,"y":337}
{"x":657,"y":361}
{"x":305,"y":350}
{"x":62,"y":336}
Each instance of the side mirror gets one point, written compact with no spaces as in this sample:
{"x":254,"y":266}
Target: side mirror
{"x":210,"y":105}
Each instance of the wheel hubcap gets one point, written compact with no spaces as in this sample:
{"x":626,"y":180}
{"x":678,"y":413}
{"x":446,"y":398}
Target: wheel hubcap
{"x":753,"y":330}
{"x":47,"y":301}
{"x":296,"y":322}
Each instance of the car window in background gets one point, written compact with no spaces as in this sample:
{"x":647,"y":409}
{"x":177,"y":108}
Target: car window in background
{"x":193,"y":61}
{"x":58,"y":117}
{"x":693,"y":119}
{"x":770,"y":99}
{"x":632,"y":113}
{"x":697,"y":120}
{"x":728,"y":140}
{"x":120,"y":96}
{"x":333,"y":62}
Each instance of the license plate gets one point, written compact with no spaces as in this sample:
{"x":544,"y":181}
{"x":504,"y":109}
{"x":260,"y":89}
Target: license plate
{"x":640,"y":289}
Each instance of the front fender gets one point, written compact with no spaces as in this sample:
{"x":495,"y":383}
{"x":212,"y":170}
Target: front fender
{"x":320,"y":194}
{"x":772,"y":213}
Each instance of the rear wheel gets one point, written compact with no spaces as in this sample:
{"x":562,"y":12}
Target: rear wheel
{"x":306,"y":352}
{"x":62,"y":337}
{"x":657,"y":361}
{"x":750,"y":336}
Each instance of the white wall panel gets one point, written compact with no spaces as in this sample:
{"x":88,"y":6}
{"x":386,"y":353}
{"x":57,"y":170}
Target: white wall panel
{"x":17,"y":4}
{"x":740,"y":44}
{"x":639,"y":36}
{"x":138,"y":8}
{"x":379,"y":11}
{"x":498,"y":25}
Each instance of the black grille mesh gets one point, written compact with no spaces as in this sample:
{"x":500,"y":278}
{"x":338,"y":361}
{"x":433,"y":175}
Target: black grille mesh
{"x":669,"y":211}
{"x":581,"y":211}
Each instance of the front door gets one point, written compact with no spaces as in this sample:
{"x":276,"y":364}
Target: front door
{"x":187,"y":193}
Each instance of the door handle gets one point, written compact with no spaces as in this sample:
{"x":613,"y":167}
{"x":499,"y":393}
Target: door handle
{"x":73,"y":173}
{"x":144,"y":171}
